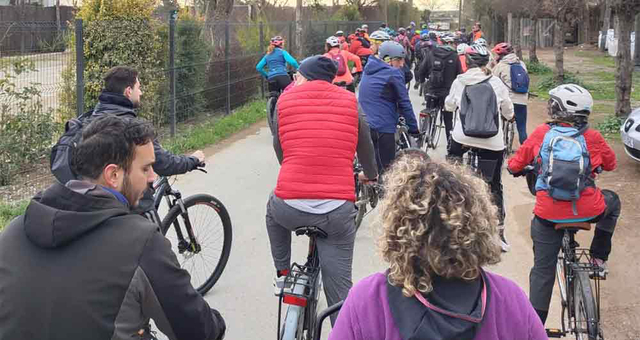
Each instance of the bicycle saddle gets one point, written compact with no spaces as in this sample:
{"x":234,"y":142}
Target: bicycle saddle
{"x":311,"y":231}
{"x":573,"y":226}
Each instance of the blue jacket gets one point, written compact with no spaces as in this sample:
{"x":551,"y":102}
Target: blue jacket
{"x":383,"y":94}
{"x":276,"y":61}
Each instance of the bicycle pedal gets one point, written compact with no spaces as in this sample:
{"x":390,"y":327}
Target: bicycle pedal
{"x":554,"y":333}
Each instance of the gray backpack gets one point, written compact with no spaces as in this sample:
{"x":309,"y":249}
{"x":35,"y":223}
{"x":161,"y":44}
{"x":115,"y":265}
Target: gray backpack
{"x":479,"y":110}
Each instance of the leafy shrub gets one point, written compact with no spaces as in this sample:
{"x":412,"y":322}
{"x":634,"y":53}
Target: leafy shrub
{"x":610,"y":125}
{"x":549,"y":82}
{"x":27,"y":130}
{"x":538,"y":68}
{"x":347,"y":13}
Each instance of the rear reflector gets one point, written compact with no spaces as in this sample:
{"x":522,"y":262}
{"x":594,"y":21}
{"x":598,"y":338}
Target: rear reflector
{"x":294,"y":300}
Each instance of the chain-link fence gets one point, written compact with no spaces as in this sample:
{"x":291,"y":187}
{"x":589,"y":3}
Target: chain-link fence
{"x":189,"y":72}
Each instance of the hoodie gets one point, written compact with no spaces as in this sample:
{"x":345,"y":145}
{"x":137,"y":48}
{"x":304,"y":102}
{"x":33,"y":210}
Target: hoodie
{"x":452,"y":69}
{"x":79,"y":265}
{"x":503,"y":71}
{"x":375,"y":310}
{"x":452,"y":103}
{"x":382,"y":95}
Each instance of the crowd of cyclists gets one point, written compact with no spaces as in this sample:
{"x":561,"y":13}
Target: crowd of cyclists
{"x":82,"y":261}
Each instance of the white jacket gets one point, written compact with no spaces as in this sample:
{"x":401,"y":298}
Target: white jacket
{"x":452,"y":104}
{"x":503,"y":71}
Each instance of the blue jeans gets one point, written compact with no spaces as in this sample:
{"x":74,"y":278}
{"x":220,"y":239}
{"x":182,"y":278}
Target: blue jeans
{"x":521,"y":121}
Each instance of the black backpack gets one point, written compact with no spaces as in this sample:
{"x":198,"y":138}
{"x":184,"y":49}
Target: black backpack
{"x":62,"y":153}
{"x":479,"y":110}
{"x":436,"y":78}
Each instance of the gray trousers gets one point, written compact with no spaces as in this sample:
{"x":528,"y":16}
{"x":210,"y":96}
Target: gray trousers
{"x":547,"y":243}
{"x":335,"y":252}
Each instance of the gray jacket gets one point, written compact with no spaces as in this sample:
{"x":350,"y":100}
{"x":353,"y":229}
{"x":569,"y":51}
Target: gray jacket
{"x":79,"y":265}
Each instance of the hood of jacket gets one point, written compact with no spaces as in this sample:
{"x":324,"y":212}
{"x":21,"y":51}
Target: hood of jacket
{"x":451,"y":321}
{"x":473,"y":76}
{"x":444,"y":53}
{"x":375,"y":66}
{"x":511,"y":58}
{"x":114,"y":103}
{"x":62,"y":214}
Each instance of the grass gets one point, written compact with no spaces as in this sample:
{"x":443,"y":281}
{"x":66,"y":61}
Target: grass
{"x":8,"y":211}
{"x":597,"y":58}
{"x":217,"y":129}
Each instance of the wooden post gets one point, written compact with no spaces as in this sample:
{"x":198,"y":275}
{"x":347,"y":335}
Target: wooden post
{"x":510,"y":27}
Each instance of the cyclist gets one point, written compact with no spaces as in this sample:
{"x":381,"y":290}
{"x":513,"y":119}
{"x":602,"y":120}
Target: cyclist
{"x":438,"y":234}
{"x":477,"y":33}
{"x":490,"y":149}
{"x":382,"y":95}
{"x":569,"y":105}
{"x":365,"y":31}
{"x":343,"y":41}
{"x":81,"y":265}
{"x":377,"y":38}
{"x":276,"y":60}
{"x":403,"y":39}
{"x":342,"y":58}
{"x":315,"y":135}
{"x":423,"y":47}
{"x":441,"y":66}
{"x":507,"y":59}
{"x":359,"y":45}
{"x":463,"y":61}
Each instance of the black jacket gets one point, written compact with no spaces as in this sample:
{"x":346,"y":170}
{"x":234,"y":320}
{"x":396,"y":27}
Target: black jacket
{"x":167,"y":164}
{"x":79,"y":265}
{"x":451,"y":70}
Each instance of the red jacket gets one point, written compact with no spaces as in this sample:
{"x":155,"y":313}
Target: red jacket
{"x":318,"y":131}
{"x":359,"y":50}
{"x":591,"y":202}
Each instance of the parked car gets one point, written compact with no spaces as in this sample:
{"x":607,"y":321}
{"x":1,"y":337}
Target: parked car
{"x":630,"y":133}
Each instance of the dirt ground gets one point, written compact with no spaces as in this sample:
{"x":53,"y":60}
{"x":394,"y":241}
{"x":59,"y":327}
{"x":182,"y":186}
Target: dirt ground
{"x":620,"y":299}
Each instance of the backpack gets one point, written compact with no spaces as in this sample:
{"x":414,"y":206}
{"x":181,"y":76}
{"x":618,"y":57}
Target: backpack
{"x":436,"y":78}
{"x":519,"y":79}
{"x":565,"y":164}
{"x":338,"y":58}
{"x":365,"y":42}
{"x":62,"y":152}
{"x":479,"y":114}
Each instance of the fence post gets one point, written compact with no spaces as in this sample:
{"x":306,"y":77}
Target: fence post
{"x":79,"y":68}
{"x":172,"y":72}
{"x":262,"y":51}
{"x":226,"y":58}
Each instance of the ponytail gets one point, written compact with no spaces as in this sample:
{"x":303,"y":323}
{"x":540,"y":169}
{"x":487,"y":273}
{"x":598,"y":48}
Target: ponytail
{"x":270,"y":49}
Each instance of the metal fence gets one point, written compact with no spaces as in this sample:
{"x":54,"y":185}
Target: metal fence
{"x":206,"y":70}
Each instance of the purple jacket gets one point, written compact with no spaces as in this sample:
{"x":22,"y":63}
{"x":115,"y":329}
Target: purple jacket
{"x":366,"y":314}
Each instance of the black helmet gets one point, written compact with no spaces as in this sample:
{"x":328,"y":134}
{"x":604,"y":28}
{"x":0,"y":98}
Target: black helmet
{"x":477,"y":56}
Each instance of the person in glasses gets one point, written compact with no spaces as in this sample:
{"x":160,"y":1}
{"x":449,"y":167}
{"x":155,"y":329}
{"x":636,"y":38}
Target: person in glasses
{"x":438,"y":232}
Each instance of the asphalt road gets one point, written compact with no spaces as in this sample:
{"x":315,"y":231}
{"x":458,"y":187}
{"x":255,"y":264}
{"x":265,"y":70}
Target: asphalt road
{"x":243,"y":172}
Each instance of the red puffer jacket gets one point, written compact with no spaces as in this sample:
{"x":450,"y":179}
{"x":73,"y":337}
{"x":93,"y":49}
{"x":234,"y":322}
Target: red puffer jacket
{"x":591,"y":202}
{"x":318,"y":131}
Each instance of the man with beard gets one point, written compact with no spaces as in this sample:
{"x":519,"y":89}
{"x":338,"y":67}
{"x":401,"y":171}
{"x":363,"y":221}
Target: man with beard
{"x":78,"y":264}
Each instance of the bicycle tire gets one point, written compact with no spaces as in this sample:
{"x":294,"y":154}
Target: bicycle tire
{"x":425,"y":127}
{"x":299,"y":324}
{"x":271,"y":105}
{"x":585,"y":307}
{"x":436,"y":130}
{"x":221,"y":211}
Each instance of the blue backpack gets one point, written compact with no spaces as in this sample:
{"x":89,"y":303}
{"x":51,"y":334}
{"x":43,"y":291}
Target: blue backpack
{"x":519,"y":78}
{"x":566,"y":165}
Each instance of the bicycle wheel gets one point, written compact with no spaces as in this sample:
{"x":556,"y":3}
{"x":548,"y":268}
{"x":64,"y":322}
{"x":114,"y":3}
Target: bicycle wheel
{"x":293,"y":324}
{"x":425,"y":127}
{"x":585,"y":307}
{"x":205,"y":256}
{"x":361,"y":203}
{"x":271,"y":108}
{"x":436,"y":129}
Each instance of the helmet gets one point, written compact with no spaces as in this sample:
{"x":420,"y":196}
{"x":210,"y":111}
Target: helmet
{"x":424,"y":36}
{"x":401,"y":30}
{"x":503,"y":49}
{"x":448,"y":39}
{"x":461,"y":48}
{"x":277,"y":41}
{"x":418,"y":32}
{"x":569,"y":101}
{"x":390,"y":49}
{"x":365,"y":26}
{"x":425,"y":26}
{"x":433,"y":36}
{"x":358,"y":30}
{"x":412,"y":24}
{"x":333,"y":41}
{"x":481,"y":42}
{"x":379,"y":35}
{"x":477,"y":56}
{"x":383,"y":25}
{"x":339,"y":34}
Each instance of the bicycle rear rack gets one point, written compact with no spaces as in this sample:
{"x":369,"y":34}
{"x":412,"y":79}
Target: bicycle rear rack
{"x":301,"y":279}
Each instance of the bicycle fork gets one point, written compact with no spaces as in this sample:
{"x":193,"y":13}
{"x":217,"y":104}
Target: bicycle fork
{"x":193,"y":246}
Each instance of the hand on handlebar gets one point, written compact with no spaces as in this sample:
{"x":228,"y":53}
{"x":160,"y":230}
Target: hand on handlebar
{"x":363,"y":179}
{"x":527,"y":169}
{"x":199,"y":155}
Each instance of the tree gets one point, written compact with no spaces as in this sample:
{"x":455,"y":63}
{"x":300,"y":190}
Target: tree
{"x":534,"y":10}
{"x":637,"y":51}
{"x":566,"y":13}
{"x":432,"y":5}
{"x":625,"y":12}
{"x":606,"y":23}
{"x":216,"y":12}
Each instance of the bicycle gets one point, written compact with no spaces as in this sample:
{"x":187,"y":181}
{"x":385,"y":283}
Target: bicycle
{"x":366,"y":194}
{"x":272,"y":100}
{"x":430,"y":126}
{"x":403,"y":141}
{"x":191,"y":218}
{"x":508,"y":129}
{"x":324,"y":315}
{"x":302,"y":296}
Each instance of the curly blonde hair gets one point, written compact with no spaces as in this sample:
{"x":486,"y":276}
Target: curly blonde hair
{"x":438,"y":220}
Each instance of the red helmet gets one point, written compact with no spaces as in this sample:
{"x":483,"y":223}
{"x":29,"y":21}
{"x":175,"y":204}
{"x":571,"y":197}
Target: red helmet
{"x":503,"y":49}
{"x":277,"y":41}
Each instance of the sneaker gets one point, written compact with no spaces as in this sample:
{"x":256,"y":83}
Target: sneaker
{"x":279,"y":284}
{"x":503,"y":241}
{"x":602,"y":268}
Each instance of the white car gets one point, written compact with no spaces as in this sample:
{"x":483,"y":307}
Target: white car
{"x":630,"y":133}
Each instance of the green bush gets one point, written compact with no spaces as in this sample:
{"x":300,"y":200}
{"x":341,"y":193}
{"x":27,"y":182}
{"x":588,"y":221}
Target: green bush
{"x":538,"y":68}
{"x":347,"y":13}
{"x":549,"y":82}
{"x":27,"y":130}
{"x":10,"y":211}
{"x":610,"y":125}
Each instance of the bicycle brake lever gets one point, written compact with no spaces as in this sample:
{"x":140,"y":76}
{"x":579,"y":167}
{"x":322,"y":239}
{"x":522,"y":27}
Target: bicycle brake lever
{"x":203,"y":170}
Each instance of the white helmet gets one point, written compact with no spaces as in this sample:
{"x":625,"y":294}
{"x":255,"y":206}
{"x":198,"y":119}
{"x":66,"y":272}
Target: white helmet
{"x":447,"y":39}
{"x":569,"y":100}
{"x":333,"y":41}
{"x":380,"y":35}
{"x":461,"y":48}
{"x":481,"y":42}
